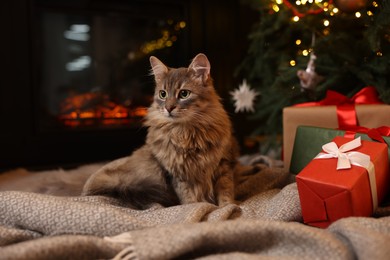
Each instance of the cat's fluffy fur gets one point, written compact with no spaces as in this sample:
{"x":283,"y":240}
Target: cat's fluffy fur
{"x":190,"y":153}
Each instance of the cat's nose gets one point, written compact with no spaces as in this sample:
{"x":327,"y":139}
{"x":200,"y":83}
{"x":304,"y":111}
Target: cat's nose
{"x":169,"y":108}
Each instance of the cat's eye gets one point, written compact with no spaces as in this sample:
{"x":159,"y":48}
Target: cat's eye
{"x":183,"y":94}
{"x":162,"y":94}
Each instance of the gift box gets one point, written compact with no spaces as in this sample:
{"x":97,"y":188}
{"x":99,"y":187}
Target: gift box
{"x":370,"y":116}
{"x":346,"y":180}
{"x":309,"y":140}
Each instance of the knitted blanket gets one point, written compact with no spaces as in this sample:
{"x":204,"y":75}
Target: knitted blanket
{"x":266,"y":224}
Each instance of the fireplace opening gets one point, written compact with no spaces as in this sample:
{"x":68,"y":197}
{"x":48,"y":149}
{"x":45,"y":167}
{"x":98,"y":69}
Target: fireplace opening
{"x":93,"y":71}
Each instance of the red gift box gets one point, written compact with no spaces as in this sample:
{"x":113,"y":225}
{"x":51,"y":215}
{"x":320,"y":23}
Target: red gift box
{"x":327,"y":194}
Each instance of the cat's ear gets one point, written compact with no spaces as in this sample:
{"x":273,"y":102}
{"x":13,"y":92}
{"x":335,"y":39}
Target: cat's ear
{"x":158,"y":68}
{"x":201,"y":65}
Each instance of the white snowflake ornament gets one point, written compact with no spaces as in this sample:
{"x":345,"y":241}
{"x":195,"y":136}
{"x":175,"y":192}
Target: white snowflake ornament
{"x":244,"y":98}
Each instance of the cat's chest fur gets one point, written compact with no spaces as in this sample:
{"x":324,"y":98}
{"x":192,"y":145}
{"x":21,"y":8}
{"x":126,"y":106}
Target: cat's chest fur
{"x":182,"y":150}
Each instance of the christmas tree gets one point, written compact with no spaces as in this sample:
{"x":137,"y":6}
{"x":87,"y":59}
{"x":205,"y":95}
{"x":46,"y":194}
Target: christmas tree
{"x":300,"y":49}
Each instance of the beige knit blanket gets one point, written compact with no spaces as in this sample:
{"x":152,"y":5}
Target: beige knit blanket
{"x":266,"y":225}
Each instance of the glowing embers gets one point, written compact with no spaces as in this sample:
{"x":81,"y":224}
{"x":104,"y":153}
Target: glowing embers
{"x":96,"y":109}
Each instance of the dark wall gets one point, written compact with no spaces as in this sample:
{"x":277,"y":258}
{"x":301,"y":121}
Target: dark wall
{"x":223,"y":27}
{"x":16,"y":124}
{"x":218,"y":28}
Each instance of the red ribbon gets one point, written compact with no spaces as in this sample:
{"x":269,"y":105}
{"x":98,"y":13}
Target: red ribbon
{"x":374,"y":133}
{"x":346,"y":113}
{"x":310,"y":11}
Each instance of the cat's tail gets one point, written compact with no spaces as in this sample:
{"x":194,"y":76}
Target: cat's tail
{"x":140,"y":195}
{"x":139,"y":190}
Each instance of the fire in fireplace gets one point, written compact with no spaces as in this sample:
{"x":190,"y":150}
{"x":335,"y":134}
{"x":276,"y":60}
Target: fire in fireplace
{"x":96,"y":109}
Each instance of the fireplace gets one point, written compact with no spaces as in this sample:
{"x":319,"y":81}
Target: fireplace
{"x":76,"y":86}
{"x":93,"y":69}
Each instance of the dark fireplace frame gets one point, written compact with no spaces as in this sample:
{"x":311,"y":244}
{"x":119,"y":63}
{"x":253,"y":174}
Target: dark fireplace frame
{"x":216,"y":27}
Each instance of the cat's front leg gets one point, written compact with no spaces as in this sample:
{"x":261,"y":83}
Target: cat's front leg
{"x":191,"y":191}
{"x":185,"y":192}
{"x":224,"y":185}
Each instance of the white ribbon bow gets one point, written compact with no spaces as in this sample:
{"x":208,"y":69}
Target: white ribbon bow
{"x":346,"y":158}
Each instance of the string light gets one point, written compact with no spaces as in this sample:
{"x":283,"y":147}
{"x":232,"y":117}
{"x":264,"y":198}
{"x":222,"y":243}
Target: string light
{"x":358,"y":14}
{"x":326,"y":6}
{"x":182,"y":24}
{"x":305,"y":52}
{"x":326,"y":31}
{"x":275,"y":8}
{"x":295,"y":19}
{"x":293,"y":63}
{"x":326,"y":23}
{"x":298,"y":42}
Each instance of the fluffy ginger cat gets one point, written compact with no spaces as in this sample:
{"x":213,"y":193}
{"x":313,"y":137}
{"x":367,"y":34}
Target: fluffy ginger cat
{"x":190,"y":153}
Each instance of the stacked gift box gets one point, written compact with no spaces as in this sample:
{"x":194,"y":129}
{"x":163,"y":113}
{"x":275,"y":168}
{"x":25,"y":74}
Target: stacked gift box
{"x":327,"y":190}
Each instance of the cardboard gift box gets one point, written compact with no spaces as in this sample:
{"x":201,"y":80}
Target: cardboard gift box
{"x":309,"y":140}
{"x":328,"y":194}
{"x":369,"y":116}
